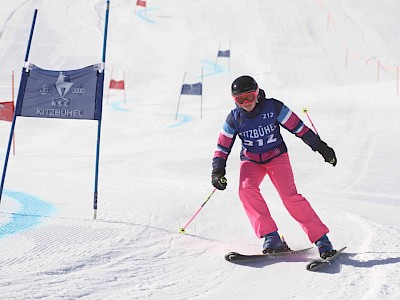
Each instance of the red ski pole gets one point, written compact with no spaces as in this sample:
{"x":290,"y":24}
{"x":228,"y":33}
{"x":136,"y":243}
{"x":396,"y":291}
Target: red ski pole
{"x":305,"y":110}
{"x":183,"y":229}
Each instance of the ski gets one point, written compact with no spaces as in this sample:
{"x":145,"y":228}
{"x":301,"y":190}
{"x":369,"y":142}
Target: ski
{"x":315,"y":264}
{"x":235,"y":257}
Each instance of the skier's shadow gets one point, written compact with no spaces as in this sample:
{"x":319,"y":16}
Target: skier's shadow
{"x":348,"y":260}
{"x":331,"y":268}
{"x":263,"y":262}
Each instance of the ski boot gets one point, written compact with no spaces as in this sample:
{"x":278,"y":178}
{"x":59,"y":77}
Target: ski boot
{"x":325,"y":247}
{"x":274,"y":243}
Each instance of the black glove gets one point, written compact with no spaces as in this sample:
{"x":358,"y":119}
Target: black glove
{"x":327,"y":153}
{"x":218,"y":179}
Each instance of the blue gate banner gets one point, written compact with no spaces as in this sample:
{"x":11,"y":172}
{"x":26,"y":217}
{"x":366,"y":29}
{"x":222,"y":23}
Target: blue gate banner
{"x":68,"y":94}
{"x":226,"y":53}
{"x":192,"y":89}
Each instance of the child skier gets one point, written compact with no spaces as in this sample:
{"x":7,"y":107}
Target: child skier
{"x":256,"y":121}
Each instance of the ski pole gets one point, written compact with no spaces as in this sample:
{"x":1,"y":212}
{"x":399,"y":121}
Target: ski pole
{"x":183,"y":229}
{"x":305,"y":110}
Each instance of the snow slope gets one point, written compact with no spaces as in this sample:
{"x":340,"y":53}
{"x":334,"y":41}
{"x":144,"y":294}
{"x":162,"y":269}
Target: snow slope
{"x":337,"y":58}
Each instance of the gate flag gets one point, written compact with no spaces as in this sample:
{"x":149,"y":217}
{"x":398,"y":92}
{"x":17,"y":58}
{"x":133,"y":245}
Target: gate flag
{"x":192,"y":89}
{"x":117,"y":85}
{"x":6,"y":111}
{"x":223,"y":53}
{"x":226,"y":53}
{"x":141,"y":3}
{"x":60,"y":94}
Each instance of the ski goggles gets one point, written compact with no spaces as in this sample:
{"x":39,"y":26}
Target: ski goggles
{"x":246,"y":97}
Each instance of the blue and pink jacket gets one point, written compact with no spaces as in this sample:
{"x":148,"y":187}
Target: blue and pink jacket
{"x":259,"y":131}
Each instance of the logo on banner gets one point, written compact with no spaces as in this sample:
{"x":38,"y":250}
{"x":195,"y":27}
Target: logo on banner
{"x":44,"y":90}
{"x":63,"y":85}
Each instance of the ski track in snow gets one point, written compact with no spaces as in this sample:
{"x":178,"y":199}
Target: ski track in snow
{"x":373,"y":252}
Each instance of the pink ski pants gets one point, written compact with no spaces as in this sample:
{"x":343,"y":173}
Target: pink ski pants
{"x":280,"y":172}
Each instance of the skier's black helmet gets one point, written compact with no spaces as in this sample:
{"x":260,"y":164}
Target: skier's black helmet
{"x":243,"y":84}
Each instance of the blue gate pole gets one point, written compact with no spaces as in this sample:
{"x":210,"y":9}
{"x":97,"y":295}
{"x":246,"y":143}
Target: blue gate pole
{"x":21,"y":92}
{"x":96,"y":178}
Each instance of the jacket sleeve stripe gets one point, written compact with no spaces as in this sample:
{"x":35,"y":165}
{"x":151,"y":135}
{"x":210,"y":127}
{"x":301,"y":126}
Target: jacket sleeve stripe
{"x":228,"y":130}
{"x":225,"y":141}
{"x":299,"y":127}
{"x":284,"y":115}
{"x":223,"y":149}
{"x":302,"y":131}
